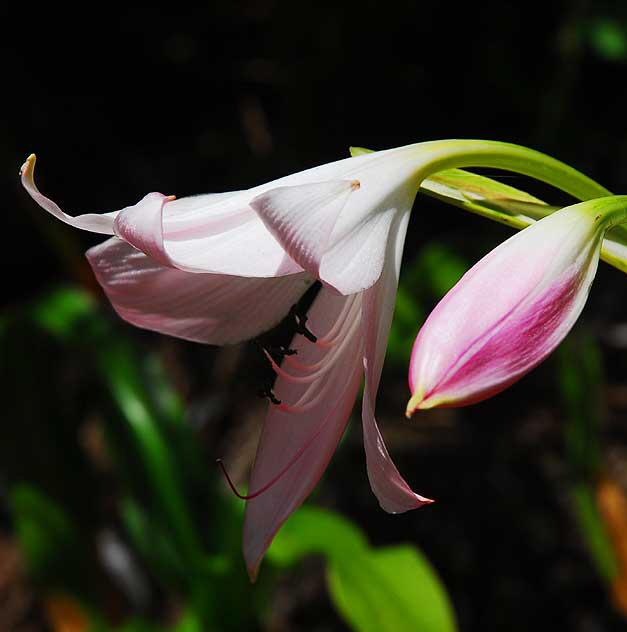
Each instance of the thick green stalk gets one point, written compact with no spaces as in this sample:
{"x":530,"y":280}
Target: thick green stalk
{"x":449,"y":154}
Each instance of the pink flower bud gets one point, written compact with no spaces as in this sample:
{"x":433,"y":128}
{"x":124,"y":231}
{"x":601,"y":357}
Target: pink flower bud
{"x":510,"y":310}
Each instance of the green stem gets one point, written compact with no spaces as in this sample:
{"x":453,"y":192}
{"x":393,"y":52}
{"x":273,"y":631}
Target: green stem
{"x":451,"y":154}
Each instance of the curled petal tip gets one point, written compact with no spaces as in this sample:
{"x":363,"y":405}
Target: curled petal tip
{"x":28,"y":164}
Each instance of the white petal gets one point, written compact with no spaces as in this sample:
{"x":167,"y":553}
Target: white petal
{"x":392,"y":491}
{"x":209,"y":308}
{"x":317,"y":389}
{"x":92,"y":222}
{"x":336,"y":229}
{"x":302,"y":217}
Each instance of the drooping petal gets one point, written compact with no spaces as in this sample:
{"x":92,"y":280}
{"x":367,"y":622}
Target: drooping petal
{"x":507,"y":313}
{"x":392,"y":491}
{"x":208,"y":308}
{"x":91,"y":221}
{"x":317,"y":392}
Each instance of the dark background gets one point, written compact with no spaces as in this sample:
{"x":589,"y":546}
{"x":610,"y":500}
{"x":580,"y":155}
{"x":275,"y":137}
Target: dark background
{"x":117,"y":102}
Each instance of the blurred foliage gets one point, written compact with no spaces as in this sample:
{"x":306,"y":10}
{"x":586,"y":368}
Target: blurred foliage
{"x":431,"y":274}
{"x":391,"y":588}
{"x":608,"y":38}
{"x":580,"y":379}
{"x":167,"y":525}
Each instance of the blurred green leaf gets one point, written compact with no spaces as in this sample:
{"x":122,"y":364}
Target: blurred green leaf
{"x":119,"y":368}
{"x":594,"y":530}
{"x":441,"y":267}
{"x":314,"y":530}
{"x":60,"y":310}
{"x":608,"y":38}
{"x":393,"y":589}
{"x":46,"y":535}
{"x":580,"y":378}
{"x":431,"y":274}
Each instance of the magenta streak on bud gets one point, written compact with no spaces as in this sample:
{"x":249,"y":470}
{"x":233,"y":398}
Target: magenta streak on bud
{"x":508,"y":312}
{"x":520,"y":335}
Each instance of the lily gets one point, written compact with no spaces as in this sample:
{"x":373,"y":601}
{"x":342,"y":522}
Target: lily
{"x":193,"y":267}
{"x":511,"y":309}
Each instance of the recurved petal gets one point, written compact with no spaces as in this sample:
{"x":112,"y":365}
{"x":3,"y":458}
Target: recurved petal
{"x":317,"y":389}
{"x":216,"y":233}
{"x":92,"y":222}
{"x":391,"y":489}
{"x":208,"y":308}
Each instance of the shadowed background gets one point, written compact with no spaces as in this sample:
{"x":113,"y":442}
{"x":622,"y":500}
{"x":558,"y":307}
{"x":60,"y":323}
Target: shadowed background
{"x":229,"y":95}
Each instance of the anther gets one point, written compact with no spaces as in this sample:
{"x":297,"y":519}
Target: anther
{"x":301,"y":327}
{"x":267,"y":392}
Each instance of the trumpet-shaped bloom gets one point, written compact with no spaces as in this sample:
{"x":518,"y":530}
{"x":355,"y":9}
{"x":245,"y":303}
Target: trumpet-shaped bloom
{"x":193,"y":267}
{"x":511,"y":309}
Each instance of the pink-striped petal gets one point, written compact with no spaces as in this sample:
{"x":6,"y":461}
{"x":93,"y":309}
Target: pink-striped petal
{"x":208,"y":308}
{"x":300,"y":434}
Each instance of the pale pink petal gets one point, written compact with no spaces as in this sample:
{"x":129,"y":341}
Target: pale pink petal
{"x":217,"y":233}
{"x":91,"y":221}
{"x":300,"y":435}
{"x":209,"y":308}
{"x":392,"y":491}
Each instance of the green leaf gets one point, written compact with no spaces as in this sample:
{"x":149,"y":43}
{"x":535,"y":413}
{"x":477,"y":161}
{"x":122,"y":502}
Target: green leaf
{"x":118,"y":365}
{"x":609,"y":39}
{"x":46,"y":536}
{"x":60,"y":310}
{"x":314,"y":530}
{"x":393,"y":589}
{"x":594,"y":531}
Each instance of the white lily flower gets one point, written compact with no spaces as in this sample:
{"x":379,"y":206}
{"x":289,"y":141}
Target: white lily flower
{"x":220,"y":268}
